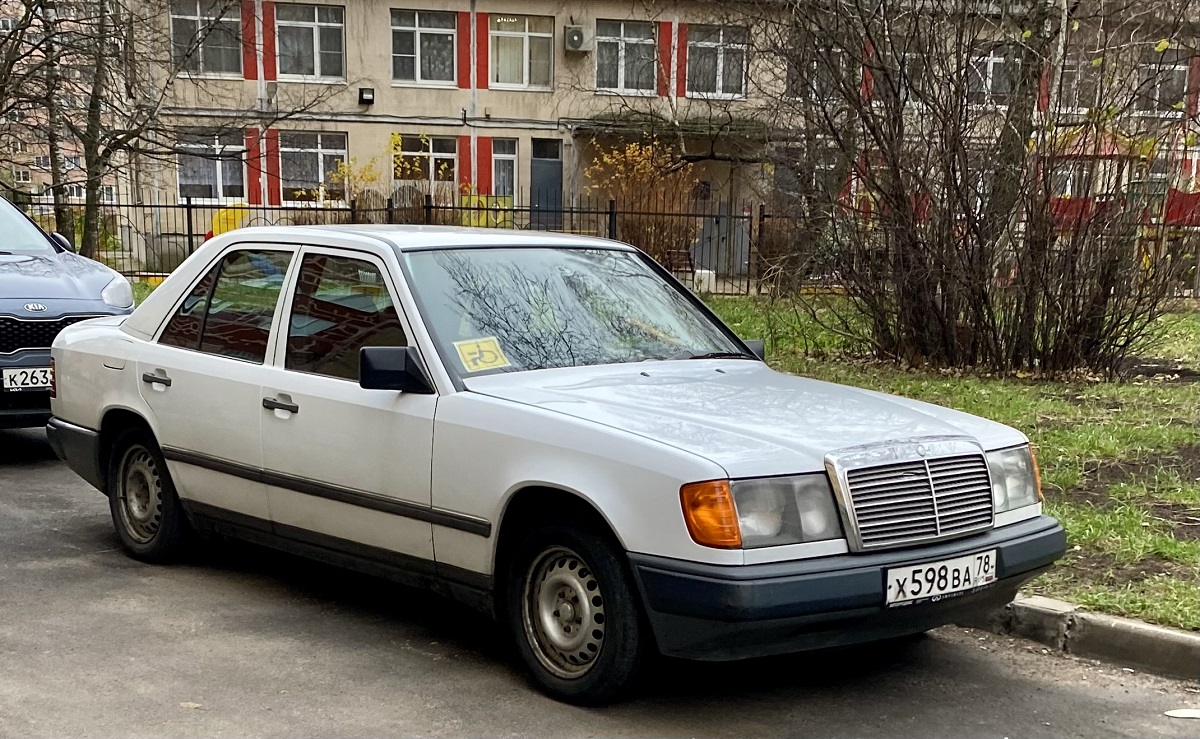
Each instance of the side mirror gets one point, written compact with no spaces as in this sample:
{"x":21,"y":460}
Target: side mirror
{"x":62,"y":242}
{"x":758,"y":347}
{"x":393,"y":368}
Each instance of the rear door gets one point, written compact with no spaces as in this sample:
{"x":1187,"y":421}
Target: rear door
{"x":344,"y":464}
{"x":203,"y":376}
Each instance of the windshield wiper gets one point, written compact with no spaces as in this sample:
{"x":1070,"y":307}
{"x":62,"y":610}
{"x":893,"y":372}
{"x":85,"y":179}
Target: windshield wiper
{"x":689,"y":354}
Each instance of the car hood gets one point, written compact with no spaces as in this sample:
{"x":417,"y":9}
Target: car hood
{"x":742,"y":415}
{"x":58,"y":276}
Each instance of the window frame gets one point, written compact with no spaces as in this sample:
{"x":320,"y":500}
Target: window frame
{"x":217,"y":149}
{"x":417,"y":30}
{"x":315,"y":25}
{"x":623,"y":42}
{"x":525,"y":36}
{"x":1162,"y":69}
{"x":22,"y":176}
{"x":515,"y":158}
{"x":994,"y":57}
{"x":322,"y":175}
{"x":208,"y":25}
{"x":720,"y":45}
{"x":431,"y":156}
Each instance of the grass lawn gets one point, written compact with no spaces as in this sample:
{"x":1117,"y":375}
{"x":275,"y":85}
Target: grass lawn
{"x":1120,"y":460}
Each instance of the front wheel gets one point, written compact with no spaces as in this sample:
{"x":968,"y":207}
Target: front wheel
{"x":574,"y":614}
{"x":146,"y":512}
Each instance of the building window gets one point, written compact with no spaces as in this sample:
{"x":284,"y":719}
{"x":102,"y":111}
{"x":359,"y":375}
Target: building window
{"x":423,"y":44}
{"x":311,"y":40}
{"x":989,"y":78}
{"x":108,"y":194}
{"x":76,"y":191}
{"x":626,"y":55}
{"x":72,"y":162}
{"x":206,"y":37}
{"x":1078,"y":86}
{"x":41,"y":162}
{"x":522,"y":50}
{"x":7,"y":25}
{"x":1162,"y":82}
{"x":504,"y":168}
{"x":1071,"y":180}
{"x":17,"y":146}
{"x":717,"y":61}
{"x":425,"y":159}
{"x":214,"y":167}
{"x":307,"y":163}
{"x":22,"y":176}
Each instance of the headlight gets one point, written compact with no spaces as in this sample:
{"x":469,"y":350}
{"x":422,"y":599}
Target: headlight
{"x":118,"y":293}
{"x":785,"y":510}
{"x":1015,"y":481}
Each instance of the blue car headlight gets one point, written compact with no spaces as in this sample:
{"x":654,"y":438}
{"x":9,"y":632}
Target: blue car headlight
{"x":118,"y":293}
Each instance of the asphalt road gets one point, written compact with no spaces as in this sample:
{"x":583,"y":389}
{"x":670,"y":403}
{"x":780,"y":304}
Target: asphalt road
{"x":243,"y":641}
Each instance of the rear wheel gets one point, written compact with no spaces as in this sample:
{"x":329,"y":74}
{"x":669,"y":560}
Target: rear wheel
{"x":145,"y":509}
{"x":574,"y":614}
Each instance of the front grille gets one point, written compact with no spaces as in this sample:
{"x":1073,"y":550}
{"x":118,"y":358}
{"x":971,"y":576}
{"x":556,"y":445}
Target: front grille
{"x":16,"y":333}
{"x":909,"y":502}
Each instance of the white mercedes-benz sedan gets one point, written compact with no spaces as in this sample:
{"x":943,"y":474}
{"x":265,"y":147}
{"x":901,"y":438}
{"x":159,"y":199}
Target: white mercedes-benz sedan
{"x":546,"y":427}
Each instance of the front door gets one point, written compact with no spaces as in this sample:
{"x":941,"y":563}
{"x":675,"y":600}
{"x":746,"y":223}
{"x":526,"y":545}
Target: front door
{"x":546,"y":185}
{"x":344,"y":464}
{"x":202,"y":380}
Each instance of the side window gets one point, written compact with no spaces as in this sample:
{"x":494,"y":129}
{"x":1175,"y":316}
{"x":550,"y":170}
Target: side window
{"x":341,"y":305}
{"x":184,"y":327}
{"x":229,"y":312}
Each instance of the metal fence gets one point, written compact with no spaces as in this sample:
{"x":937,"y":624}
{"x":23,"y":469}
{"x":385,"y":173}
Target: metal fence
{"x":710,"y":246}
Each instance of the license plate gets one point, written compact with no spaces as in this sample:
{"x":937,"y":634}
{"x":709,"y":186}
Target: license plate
{"x":943,"y":579}
{"x":27,"y":378}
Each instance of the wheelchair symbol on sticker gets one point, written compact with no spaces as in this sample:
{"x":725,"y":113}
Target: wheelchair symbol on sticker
{"x":478,"y":355}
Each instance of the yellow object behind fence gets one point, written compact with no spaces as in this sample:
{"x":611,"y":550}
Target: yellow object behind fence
{"x":490,"y":211}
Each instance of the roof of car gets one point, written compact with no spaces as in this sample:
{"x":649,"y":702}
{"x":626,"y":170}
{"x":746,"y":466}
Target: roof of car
{"x":414,"y":237}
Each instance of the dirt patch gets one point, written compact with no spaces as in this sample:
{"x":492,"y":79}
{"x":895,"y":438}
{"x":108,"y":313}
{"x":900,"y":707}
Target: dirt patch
{"x":1099,"y":569}
{"x":1184,"y":518}
{"x":1164,"y":370}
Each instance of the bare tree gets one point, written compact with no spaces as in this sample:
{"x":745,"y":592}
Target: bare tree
{"x":963,"y":171}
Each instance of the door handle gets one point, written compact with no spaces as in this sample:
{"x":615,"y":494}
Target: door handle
{"x":273,"y":404}
{"x":153,"y":379}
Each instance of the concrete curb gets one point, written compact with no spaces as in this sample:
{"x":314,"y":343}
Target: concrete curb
{"x":1123,"y":641}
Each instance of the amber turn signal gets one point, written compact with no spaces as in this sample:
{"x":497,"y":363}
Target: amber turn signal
{"x":710,"y":515}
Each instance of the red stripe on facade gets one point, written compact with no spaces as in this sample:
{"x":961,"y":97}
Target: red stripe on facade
{"x":249,"y":41}
{"x":1044,"y":91}
{"x":665,"y":58}
{"x":273,"y":185}
{"x":253,"y":168}
{"x":867,"y":88}
{"x":268,"y":44}
{"x":481,"y":51}
{"x":465,"y":179}
{"x":483,"y":148}
{"x":464,"y":51}
{"x":681,"y":62}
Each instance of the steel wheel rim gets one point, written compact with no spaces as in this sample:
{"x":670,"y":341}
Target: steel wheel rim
{"x":140,"y":495}
{"x":563,"y":612}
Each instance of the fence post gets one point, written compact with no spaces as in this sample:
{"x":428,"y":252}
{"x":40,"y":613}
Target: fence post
{"x":612,"y":219}
{"x":428,"y":209}
{"x":391,"y":210}
{"x":354,"y":210}
{"x":191,"y":229}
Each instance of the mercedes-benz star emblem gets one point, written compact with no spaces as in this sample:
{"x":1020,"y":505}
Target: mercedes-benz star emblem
{"x":921,"y":450}
{"x":35,"y":307}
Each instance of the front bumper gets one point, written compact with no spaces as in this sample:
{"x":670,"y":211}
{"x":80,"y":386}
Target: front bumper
{"x":714,"y":612}
{"x":30,"y":408}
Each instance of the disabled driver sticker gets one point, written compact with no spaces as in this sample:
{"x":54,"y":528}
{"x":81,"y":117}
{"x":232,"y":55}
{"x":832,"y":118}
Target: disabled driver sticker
{"x":478,"y":355}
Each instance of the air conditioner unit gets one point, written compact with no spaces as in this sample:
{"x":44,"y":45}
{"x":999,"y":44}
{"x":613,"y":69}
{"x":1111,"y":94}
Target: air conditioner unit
{"x":575,"y":39}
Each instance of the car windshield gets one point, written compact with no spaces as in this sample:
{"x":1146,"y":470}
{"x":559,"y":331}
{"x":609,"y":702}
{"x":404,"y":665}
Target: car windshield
{"x":513,"y":309}
{"x":18,"y":235}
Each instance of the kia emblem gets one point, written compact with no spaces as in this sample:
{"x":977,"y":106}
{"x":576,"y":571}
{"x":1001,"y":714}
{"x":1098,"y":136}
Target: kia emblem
{"x":35,"y":307}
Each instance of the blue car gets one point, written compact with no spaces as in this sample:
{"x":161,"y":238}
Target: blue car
{"x":44,"y":286}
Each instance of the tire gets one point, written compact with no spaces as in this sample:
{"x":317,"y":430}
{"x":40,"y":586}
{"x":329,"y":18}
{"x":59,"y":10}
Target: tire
{"x":145,"y":508}
{"x":562,"y":578}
